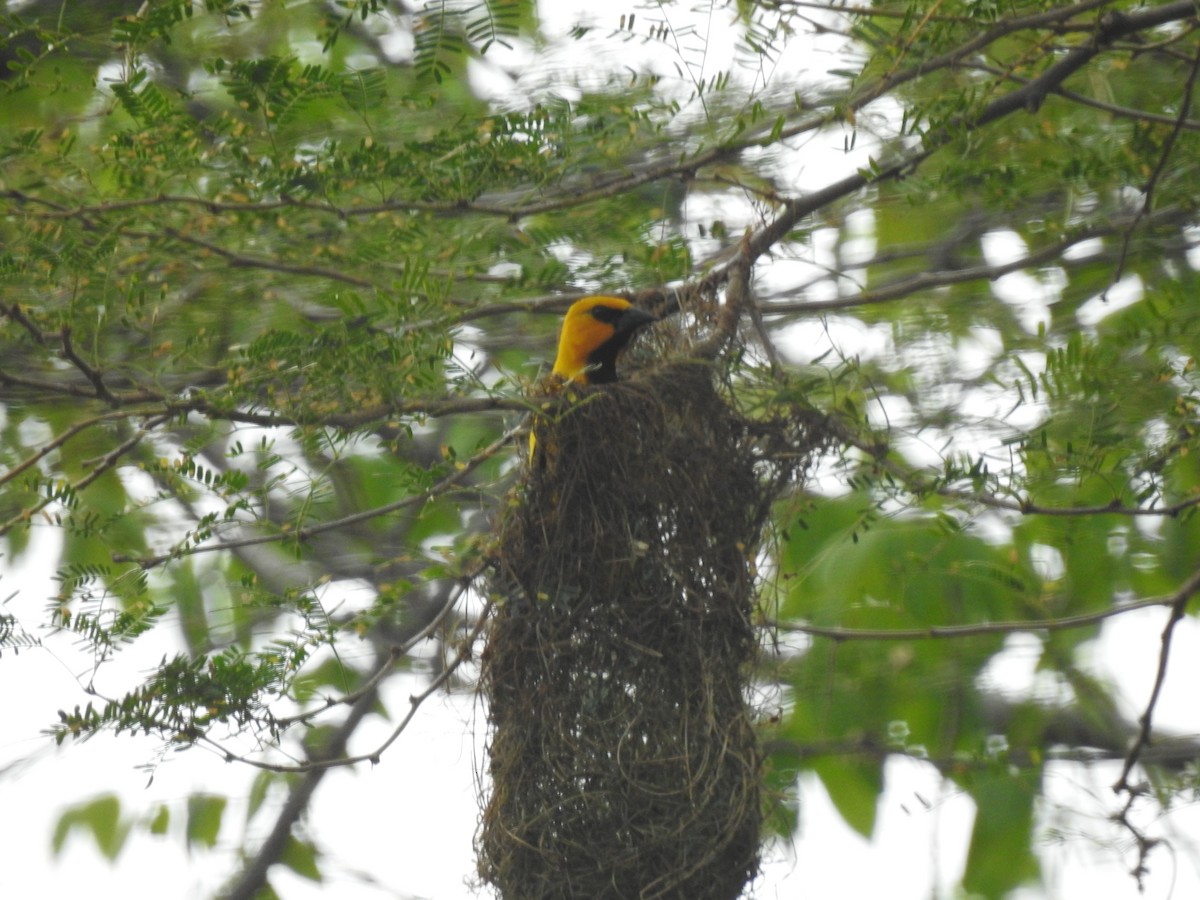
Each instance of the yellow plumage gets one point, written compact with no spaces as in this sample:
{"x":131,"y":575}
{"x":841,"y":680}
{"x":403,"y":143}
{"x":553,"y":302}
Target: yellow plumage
{"x":594,"y":332}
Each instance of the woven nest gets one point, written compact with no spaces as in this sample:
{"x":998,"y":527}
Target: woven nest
{"x":622,"y":754}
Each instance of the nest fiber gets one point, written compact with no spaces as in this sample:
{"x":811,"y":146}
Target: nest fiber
{"x":622,"y":755}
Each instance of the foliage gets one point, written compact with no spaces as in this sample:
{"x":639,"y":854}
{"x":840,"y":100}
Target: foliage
{"x":276,"y":281}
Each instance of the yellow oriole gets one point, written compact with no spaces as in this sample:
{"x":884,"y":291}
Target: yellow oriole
{"x":594,"y":332}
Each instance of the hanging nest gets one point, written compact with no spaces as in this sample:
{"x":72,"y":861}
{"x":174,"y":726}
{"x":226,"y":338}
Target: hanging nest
{"x":622,"y":755}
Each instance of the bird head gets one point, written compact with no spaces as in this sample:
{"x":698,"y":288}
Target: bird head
{"x":594,"y":332}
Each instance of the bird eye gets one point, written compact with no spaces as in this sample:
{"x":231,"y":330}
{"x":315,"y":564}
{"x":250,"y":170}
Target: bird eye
{"x":607,"y":314}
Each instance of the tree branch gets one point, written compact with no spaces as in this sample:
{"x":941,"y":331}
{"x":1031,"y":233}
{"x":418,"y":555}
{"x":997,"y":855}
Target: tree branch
{"x":65,"y":435}
{"x":89,"y":372}
{"x":933,"y":632}
{"x":573,"y":196}
{"x":329,"y":761}
{"x":101,"y":465}
{"x":300,"y":535}
{"x":923,"y":281}
{"x":1179,"y":602}
{"x":1112,"y":26}
{"x":254,"y":876}
{"x":1151,"y":184}
{"x":395,"y":652}
{"x":921,"y":484}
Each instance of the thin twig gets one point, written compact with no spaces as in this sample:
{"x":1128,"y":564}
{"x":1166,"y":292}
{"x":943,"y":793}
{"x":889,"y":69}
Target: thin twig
{"x":300,"y":535}
{"x":253,"y":877}
{"x":905,"y":286}
{"x":395,"y":652}
{"x":466,"y":650}
{"x":102,"y":465}
{"x":14,"y":312}
{"x":1111,"y":28}
{"x":920,"y":484}
{"x":1151,"y":185}
{"x":65,"y":435}
{"x":1179,"y":602}
{"x":932,"y":632}
{"x":1142,"y":841}
{"x":433,"y":407}
{"x":1114,"y":109}
{"x":241,"y":261}
{"x":64,"y":390}
{"x":574,"y":195}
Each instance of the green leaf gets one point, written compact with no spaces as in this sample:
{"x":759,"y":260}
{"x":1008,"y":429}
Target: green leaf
{"x":101,"y":818}
{"x":160,"y":821}
{"x":204,"y":812}
{"x":854,"y":787}
{"x":301,"y":857}
{"x":1001,"y":858}
{"x":259,"y":789}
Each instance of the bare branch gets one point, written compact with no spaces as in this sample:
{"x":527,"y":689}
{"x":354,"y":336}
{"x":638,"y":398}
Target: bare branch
{"x":932,"y":632}
{"x":89,"y":372}
{"x":395,"y":652}
{"x":1179,"y":602}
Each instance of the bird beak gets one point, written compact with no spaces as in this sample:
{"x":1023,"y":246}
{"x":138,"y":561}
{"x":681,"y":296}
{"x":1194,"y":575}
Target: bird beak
{"x":633,"y":319}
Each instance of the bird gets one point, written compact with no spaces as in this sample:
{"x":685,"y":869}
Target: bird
{"x":594,"y":331}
